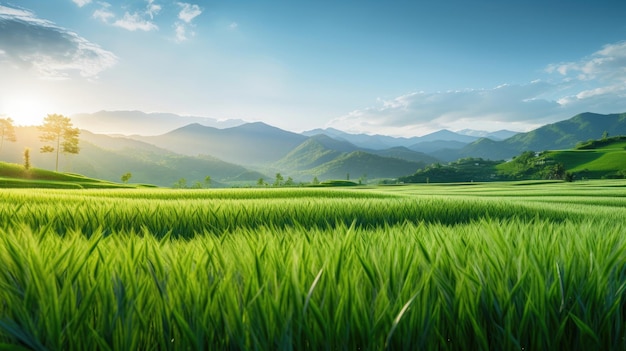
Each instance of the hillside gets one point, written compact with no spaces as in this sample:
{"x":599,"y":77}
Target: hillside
{"x":596,"y":159}
{"x":430,"y":142}
{"x":141,"y":123}
{"x":360,"y":164}
{"x":607,"y":160}
{"x":251,"y":144}
{"x":327,"y":158}
{"x":107,"y":157}
{"x":561,"y":135}
{"x":463,"y":170}
{"x":16,"y":176}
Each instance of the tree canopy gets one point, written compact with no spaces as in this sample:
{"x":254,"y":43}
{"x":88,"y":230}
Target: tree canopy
{"x":7,"y":131}
{"x":59,"y":131}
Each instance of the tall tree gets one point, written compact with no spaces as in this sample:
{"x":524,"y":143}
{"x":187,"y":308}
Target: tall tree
{"x":58,"y":130}
{"x":7,"y":131}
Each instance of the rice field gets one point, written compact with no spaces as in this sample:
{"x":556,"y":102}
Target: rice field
{"x":502,"y":266}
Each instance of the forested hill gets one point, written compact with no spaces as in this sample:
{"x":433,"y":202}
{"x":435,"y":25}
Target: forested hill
{"x":560,"y":135}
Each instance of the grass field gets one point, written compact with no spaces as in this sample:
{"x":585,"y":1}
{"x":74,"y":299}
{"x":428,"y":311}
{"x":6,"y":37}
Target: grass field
{"x":525,"y":265}
{"x":15,"y":176}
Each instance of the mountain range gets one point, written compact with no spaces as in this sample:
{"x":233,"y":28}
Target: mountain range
{"x":141,"y":123}
{"x":245,"y":153}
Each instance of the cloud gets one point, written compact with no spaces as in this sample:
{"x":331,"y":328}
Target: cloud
{"x":135,"y":22}
{"x":29,"y":42}
{"x":188,"y":12}
{"x":103,"y":15}
{"x":596,"y":81}
{"x":152,"y":9}
{"x":81,"y":3}
{"x":181,"y":32}
{"x":233,"y":25}
{"x":607,"y":64}
{"x":421,"y":112}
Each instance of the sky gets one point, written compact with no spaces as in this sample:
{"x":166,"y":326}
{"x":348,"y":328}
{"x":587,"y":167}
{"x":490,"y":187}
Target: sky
{"x":401,"y":68}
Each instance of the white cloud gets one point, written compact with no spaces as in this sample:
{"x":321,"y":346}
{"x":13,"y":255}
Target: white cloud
{"x":181,"y":32}
{"x":597,"y":81}
{"x":421,"y":112}
{"x":233,"y":25}
{"x":29,"y":42}
{"x":188,"y":12}
{"x":152,"y":9}
{"x":135,"y":22}
{"x":103,"y":15}
{"x":81,"y":3}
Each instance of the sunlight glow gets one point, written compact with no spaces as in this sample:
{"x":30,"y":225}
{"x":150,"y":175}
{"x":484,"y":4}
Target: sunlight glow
{"x":25,"y":110}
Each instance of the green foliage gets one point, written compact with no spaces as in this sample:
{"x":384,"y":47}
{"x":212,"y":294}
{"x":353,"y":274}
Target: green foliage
{"x":7,"y":131}
{"x":126,"y":177}
{"x":58,"y":130}
{"x":18,"y":176}
{"x":408,"y":267}
{"x":27,"y":159}
{"x":615,"y":141}
{"x":279,"y":180}
{"x":181,"y":184}
{"x":463,"y":170}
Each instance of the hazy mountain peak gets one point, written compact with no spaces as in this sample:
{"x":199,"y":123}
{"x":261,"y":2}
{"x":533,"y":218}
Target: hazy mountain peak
{"x":142,"y":123}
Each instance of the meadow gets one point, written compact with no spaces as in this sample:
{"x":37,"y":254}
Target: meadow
{"x":520,"y":265}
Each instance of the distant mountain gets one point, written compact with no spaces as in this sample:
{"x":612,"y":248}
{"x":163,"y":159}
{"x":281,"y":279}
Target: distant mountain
{"x":359,"y":164}
{"x":108,"y":158}
{"x":381,"y":142}
{"x":313,"y":152}
{"x":497,"y":135}
{"x":141,"y":123}
{"x":251,"y":144}
{"x":434,"y":147}
{"x":407,"y":154}
{"x":327,"y":158}
{"x":560,"y":135}
{"x":374,"y":142}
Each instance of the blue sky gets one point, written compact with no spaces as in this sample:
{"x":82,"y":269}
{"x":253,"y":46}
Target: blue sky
{"x":401,"y":68}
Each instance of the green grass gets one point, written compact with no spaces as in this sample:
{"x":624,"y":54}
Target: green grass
{"x":15,"y":176}
{"x":525,"y":265}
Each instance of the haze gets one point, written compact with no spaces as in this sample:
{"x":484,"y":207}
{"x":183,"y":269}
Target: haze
{"x":401,"y":68}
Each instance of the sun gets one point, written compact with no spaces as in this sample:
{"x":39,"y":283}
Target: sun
{"x":25,"y":110}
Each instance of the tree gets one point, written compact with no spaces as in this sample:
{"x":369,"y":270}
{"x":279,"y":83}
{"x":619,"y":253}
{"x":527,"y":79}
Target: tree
{"x":58,"y":130}
{"x":289,"y":182}
{"x":279,"y":179}
{"x":260,"y":182}
{"x":126,"y":177}
{"x":181,"y":183}
{"x":207,"y":181}
{"x":7,"y":131}
{"x":27,"y":159}
{"x":558,"y":171}
{"x":315,"y":181}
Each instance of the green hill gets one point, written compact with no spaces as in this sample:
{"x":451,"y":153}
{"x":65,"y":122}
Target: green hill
{"x":359,"y":163}
{"x":312,"y":153}
{"x":326,"y":158}
{"x":15,"y":176}
{"x":462,"y":170}
{"x":560,"y":135}
{"x":107,"y":158}
{"x":605,"y":158}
